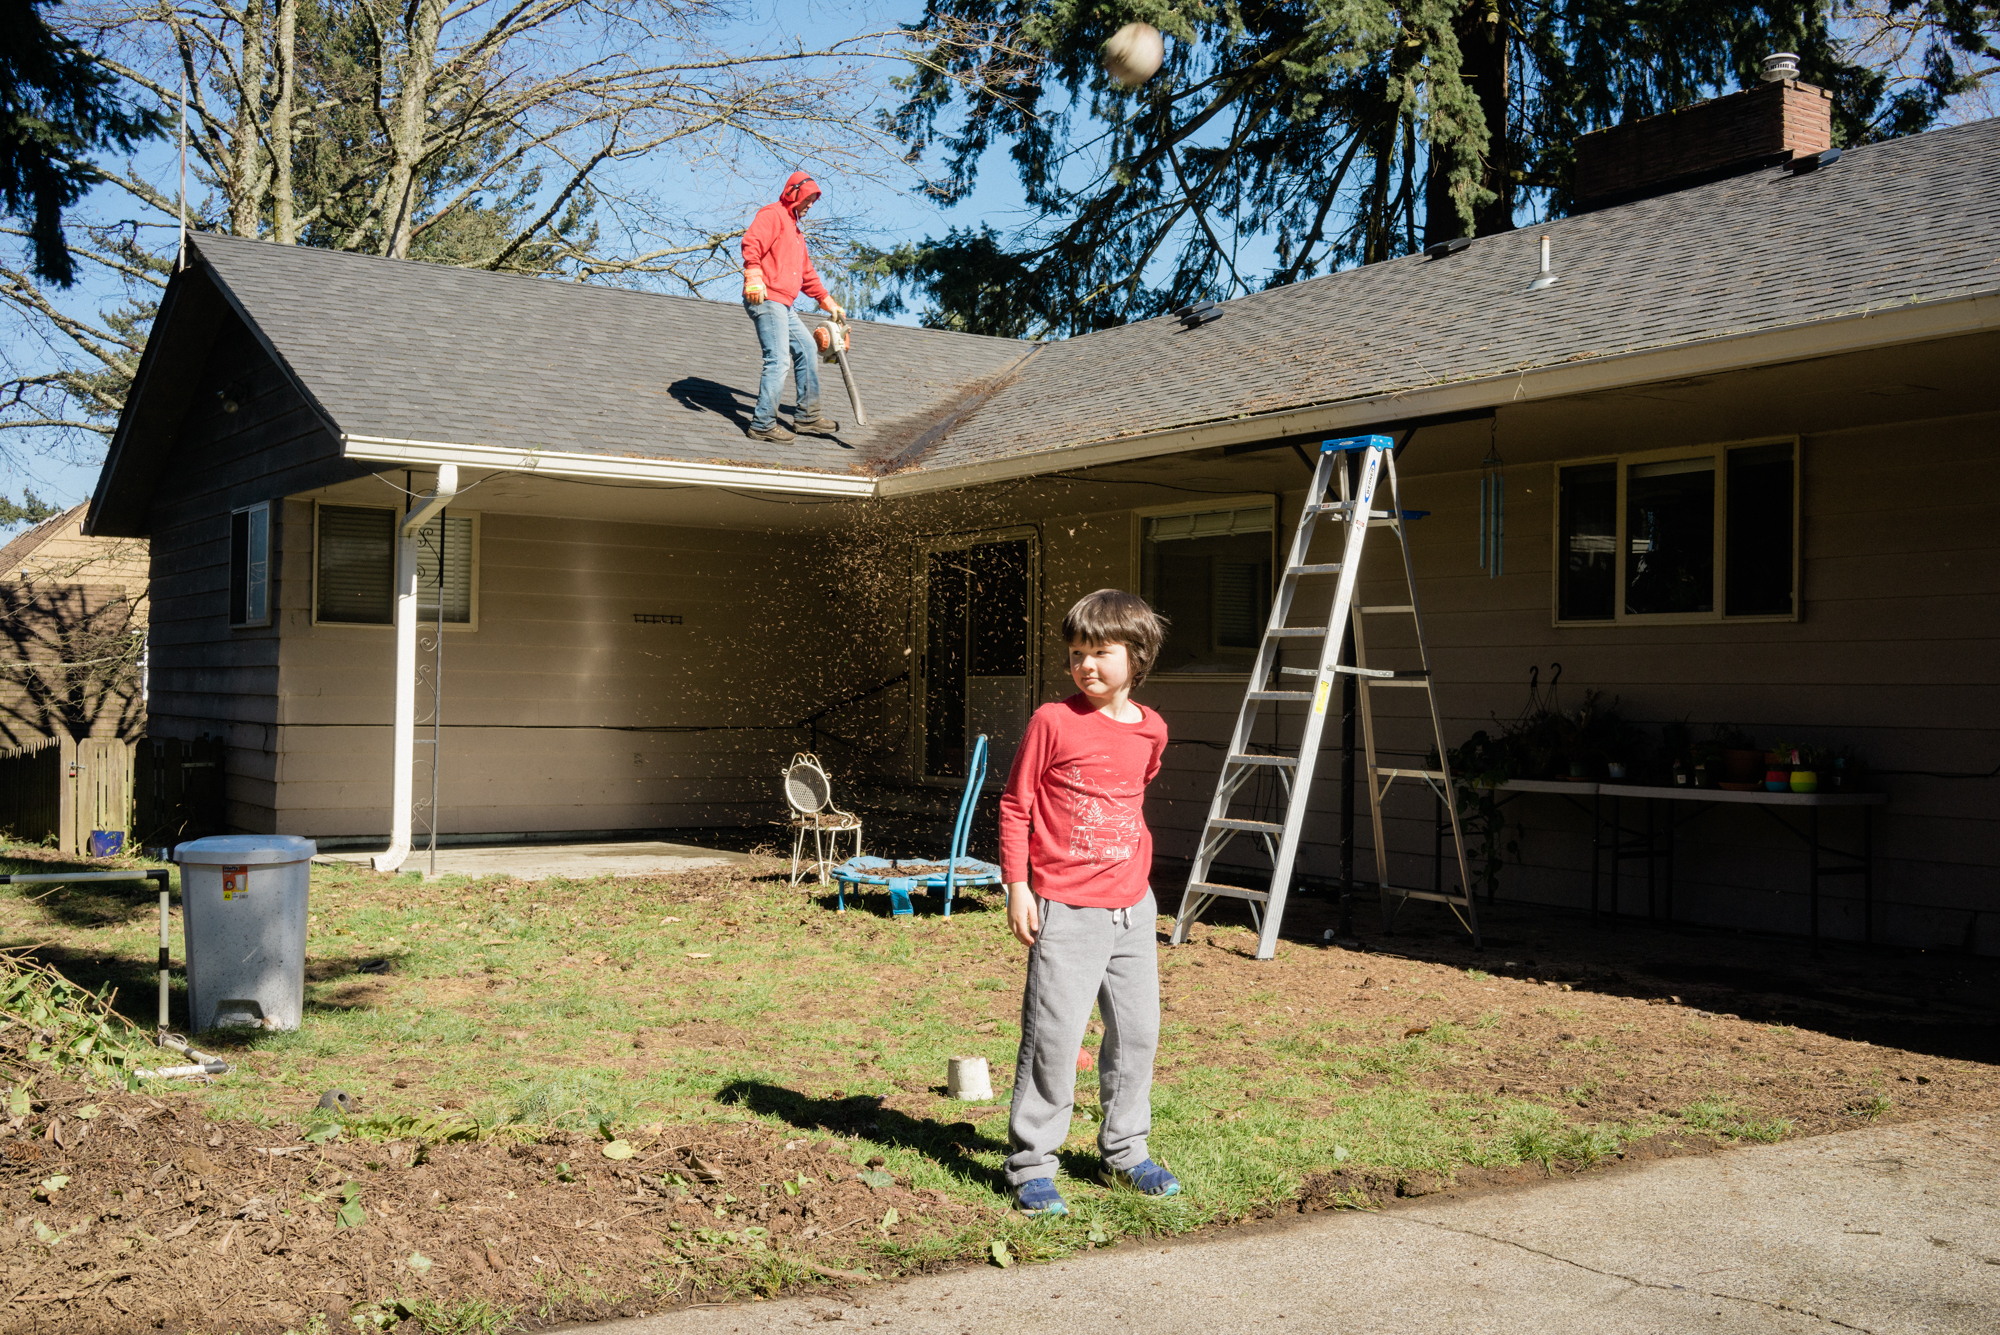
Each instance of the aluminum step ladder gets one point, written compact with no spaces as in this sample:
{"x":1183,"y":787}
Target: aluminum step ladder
{"x":1245,"y":759}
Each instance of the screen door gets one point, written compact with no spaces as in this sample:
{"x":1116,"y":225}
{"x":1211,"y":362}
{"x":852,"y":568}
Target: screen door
{"x":978,"y":603}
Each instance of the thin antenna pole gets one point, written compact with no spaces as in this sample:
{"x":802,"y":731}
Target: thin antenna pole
{"x":180,"y":256}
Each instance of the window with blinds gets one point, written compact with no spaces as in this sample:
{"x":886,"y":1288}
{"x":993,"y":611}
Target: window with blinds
{"x":1209,"y":573}
{"x":356,"y":572}
{"x":444,"y":569}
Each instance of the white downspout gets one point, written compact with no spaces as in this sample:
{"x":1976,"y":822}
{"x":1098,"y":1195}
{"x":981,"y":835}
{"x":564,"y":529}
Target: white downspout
{"x":405,"y":744}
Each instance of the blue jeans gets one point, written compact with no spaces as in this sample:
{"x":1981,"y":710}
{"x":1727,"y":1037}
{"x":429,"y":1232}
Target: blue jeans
{"x":773,"y":321}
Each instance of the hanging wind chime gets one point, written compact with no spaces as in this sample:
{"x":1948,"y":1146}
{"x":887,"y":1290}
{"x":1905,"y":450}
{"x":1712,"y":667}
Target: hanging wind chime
{"x":1492,"y":513}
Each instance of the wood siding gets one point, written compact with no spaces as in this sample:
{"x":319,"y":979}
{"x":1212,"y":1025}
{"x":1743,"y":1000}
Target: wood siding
{"x":207,"y":680}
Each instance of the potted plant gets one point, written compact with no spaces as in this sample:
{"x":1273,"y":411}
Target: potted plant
{"x":1778,"y":768}
{"x":1743,"y":764}
{"x":1808,"y":761}
{"x":1847,"y":771}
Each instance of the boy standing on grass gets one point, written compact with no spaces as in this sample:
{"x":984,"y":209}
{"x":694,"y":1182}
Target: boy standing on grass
{"x":1077,"y":856}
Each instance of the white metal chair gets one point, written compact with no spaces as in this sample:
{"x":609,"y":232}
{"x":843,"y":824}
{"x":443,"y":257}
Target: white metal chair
{"x":810,"y":795}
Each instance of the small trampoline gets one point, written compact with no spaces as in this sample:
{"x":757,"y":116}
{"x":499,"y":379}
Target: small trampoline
{"x":905,"y":876}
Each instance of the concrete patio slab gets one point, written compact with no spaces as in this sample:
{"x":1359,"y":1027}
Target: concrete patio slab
{"x":1892,"y":1229}
{"x":575,"y":862}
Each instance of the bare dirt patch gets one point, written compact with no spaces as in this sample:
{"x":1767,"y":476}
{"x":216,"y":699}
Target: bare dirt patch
{"x":125,"y":1212}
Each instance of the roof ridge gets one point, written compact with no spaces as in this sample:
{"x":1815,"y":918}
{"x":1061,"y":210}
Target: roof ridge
{"x":542,"y":282}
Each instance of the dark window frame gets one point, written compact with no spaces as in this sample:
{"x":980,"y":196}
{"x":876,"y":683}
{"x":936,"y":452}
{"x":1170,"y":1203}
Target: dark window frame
{"x":1728,"y":532}
{"x":250,"y":568}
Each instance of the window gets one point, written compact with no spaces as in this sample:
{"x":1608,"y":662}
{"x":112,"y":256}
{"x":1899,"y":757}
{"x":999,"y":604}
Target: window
{"x":250,"y":565}
{"x":1689,"y":535}
{"x":1209,"y":573}
{"x":355,"y":567}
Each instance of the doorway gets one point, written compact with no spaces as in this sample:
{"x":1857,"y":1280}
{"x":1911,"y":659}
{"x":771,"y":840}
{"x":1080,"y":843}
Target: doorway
{"x":977,"y":604}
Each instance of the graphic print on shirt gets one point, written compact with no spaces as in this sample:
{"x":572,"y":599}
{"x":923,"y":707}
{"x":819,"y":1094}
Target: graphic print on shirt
{"x":1102,"y":828}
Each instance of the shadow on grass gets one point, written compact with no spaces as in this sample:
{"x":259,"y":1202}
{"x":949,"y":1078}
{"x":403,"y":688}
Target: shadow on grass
{"x":874,"y":901}
{"x":946,"y":1143}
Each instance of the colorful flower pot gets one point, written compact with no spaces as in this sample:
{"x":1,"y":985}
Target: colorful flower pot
{"x":1805,"y":781}
{"x":1778,"y":781}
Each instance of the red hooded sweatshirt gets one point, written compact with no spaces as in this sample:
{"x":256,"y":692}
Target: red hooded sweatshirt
{"x":775,"y":249}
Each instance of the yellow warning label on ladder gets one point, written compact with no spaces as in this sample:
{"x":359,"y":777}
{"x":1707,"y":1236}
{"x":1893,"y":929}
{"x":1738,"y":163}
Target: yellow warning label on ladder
{"x":1319,"y":697}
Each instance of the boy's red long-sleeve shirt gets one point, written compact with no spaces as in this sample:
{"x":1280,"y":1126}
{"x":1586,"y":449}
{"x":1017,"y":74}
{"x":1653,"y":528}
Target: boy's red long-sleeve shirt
{"x":1072,"y":810}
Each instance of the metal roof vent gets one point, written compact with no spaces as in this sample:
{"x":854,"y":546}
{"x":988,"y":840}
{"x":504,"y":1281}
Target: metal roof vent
{"x":1812,"y":162}
{"x":1199,"y":314}
{"x":1781,"y":65}
{"x":1444,"y":248}
{"x":1546,"y":276}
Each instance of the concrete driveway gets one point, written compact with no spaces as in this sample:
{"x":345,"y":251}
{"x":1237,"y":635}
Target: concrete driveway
{"x":1890,"y":1229}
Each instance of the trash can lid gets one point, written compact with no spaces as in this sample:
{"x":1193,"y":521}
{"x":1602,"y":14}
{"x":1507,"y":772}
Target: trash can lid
{"x":230,"y":850}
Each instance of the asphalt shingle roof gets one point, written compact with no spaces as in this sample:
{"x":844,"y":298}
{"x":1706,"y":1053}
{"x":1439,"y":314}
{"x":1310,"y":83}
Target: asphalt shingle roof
{"x":410,"y":351}
{"x":1914,"y":219}
{"x":422,"y":352}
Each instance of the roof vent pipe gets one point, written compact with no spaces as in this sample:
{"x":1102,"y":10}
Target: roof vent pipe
{"x":1545,"y":277}
{"x":1781,"y":65}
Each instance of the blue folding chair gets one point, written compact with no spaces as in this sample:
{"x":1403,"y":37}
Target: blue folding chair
{"x":959,"y":869}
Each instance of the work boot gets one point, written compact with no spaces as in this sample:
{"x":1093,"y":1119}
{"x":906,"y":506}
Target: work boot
{"x":820,"y":425}
{"x":775,"y":433}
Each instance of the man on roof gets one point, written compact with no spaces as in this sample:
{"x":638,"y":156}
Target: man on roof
{"x":775,"y":269}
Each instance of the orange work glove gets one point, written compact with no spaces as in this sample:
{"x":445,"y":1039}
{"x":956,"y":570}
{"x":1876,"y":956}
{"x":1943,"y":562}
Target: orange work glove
{"x":753,"y":284}
{"x":833,"y":308}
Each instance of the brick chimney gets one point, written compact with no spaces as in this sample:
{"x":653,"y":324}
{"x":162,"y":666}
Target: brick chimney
{"x":1774,"y":122}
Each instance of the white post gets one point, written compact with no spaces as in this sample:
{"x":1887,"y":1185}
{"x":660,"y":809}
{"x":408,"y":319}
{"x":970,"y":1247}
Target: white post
{"x":404,"y":743}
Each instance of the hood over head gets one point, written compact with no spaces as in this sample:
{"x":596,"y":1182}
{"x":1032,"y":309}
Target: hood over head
{"x":799,"y":190}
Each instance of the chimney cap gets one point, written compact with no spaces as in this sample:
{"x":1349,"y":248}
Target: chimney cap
{"x":1781,"y":65}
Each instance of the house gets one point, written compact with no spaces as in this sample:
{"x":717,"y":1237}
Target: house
{"x":1747,"y":440}
{"x":73,"y":615}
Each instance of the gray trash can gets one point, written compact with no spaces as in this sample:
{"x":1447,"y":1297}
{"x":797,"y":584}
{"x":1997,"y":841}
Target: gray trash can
{"x":243,"y":905}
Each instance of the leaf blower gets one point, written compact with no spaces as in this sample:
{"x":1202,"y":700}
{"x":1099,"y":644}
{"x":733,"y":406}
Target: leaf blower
{"x":832,"y":338}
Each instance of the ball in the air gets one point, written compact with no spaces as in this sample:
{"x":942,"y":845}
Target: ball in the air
{"x":1134,"y":53}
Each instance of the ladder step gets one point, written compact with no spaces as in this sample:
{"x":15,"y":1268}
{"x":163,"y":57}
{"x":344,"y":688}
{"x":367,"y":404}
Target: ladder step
{"x":1278,"y":695}
{"x":1330,"y":508}
{"x":1333,"y":569}
{"x":1395,"y":773}
{"x":1285,"y":762}
{"x":1397,"y":607}
{"x":1227,"y":891}
{"x":1297,"y":632}
{"x":1253,"y":826}
{"x":1387,"y":674}
{"x":1421,"y":683}
{"x":1434,"y":896}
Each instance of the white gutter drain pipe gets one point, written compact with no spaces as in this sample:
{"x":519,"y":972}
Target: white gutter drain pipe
{"x":405,"y":742}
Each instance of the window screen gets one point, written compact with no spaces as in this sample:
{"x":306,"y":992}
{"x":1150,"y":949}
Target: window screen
{"x":1589,"y":542}
{"x":250,"y":566}
{"x":357,"y":564}
{"x":1759,"y":531}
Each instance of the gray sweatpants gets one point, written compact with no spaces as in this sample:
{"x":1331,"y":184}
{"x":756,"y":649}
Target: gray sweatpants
{"x":1110,"y":956}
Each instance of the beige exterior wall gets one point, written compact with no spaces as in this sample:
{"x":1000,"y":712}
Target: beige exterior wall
{"x":80,"y":602}
{"x":563,"y":714}
{"x":560,"y":711}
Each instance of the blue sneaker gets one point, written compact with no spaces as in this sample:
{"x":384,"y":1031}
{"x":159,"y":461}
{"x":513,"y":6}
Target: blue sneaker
{"x":1147,"y":1177}
{"x":1038,"y":1196}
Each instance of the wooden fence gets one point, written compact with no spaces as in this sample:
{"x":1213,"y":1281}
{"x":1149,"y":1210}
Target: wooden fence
{"x":156,"y":790}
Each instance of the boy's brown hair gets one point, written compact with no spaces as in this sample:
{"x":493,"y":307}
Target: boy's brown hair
{"x":1113,"y":616}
